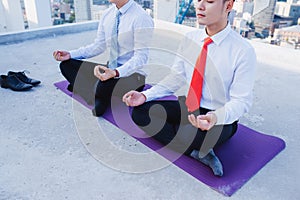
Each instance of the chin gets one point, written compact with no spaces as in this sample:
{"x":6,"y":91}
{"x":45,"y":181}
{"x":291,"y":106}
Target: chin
{"x":201,"y":22}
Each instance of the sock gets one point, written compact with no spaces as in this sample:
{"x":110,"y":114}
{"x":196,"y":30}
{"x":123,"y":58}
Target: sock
{"x":210,"y":160}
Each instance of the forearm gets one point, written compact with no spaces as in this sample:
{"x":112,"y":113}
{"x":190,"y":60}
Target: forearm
{"x":156,"y":92}
{"x":87,"y":51}
{"x":135,"y":63}
{"x":231,"y":111}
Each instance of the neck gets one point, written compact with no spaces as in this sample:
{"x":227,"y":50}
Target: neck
{"x":216,"y":28}
{"x":121,"y":3}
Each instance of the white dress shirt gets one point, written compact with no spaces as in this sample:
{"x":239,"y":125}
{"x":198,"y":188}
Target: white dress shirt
{"x":229,"y":73}
{"x":135,"y":31}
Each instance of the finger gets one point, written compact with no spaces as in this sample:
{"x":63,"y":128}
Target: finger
{"x":101,"y":77}
{"x":125,"y":96}
{"x":97,"y":72}
{"x":128,"y":94}
{"x":192,"y":119}
{"x":111,"y":73}
{"x":205,"y":117}
{"x":203,"y":124}
{"x":57,"y":56}
{"x":130,"y":98}
{"x":103,"y":68}
{"x":201,"y":118}
{"x":98,"y":75}
{"x":189,"y":118}
{"x":128,"y":101}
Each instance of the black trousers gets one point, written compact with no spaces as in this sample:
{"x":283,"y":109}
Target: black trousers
{"x":167,"y":122}
{"x":80,"y":75}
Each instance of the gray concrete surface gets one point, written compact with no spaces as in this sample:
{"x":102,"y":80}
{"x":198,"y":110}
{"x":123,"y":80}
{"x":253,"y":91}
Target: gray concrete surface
{"x":42,"y":157}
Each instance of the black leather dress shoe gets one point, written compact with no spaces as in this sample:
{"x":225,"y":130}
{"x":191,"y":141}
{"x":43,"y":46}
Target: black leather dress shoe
{"x":24,"y":78}
{"x":14,"y":83}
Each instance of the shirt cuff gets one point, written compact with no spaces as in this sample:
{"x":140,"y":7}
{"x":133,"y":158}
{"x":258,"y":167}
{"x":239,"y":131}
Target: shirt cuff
{"x":75,"y":54}
{"x":122,"y":71}
{"x":147,"y":94}
{"x":117,"y":73}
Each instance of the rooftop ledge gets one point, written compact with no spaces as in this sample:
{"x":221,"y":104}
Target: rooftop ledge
{"x":20,"y":36}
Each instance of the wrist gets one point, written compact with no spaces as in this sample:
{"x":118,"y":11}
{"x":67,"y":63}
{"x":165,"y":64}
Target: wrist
{"x":68,"y":55}
{"x":144,"y":96}
{"x":214,"y":117}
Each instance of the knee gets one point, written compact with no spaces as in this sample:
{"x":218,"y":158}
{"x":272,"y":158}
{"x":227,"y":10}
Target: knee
{"x":135,"y":116}
{"x":139,"y":117}
{"x":98,"y":112}
{"x":63,"y":65}
{"x":100,"y":108}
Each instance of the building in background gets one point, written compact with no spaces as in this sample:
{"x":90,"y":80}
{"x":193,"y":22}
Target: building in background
{"x":11,"y":16}
{"x":243,"y":6}
{"x":38,"y":13}
{"x":98,"y":7}
{"x":165,"y":10}
{"x":242,"y":17}
{"x":86,"y":10}
{"x":16,"y":15}
{"x":289,"y":35}
{"x":289,"y":9}
{"x":82,"y":10}
{"x":263,"y":15}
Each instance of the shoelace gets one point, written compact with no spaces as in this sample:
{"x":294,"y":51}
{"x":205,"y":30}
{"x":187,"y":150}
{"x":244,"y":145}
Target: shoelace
{"x":25,"y":71}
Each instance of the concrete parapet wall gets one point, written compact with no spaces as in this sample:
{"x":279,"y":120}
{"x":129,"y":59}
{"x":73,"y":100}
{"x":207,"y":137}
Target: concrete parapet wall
{"x":20,"y":36}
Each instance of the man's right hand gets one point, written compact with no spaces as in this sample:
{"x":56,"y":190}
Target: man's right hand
{"x":61,"y":55}
{"x":134,"y":98}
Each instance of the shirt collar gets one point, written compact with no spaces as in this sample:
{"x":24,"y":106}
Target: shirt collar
{"x":125,"y":7}
{"x":219,"y":37}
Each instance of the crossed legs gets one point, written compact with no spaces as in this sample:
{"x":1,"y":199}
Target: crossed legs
{"x":80,"y":75}
{"x":166,"y":121}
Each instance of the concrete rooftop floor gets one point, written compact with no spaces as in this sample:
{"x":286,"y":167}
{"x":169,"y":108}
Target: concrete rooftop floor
{"x":42,"y":157}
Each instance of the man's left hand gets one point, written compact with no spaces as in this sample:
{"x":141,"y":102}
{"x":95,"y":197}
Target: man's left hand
{"x":203,"y":122}
{"x":103,"y":73}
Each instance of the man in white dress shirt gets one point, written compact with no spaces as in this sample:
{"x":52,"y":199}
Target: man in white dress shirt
{"x":226,"y":93}
{"x":96,"y":83}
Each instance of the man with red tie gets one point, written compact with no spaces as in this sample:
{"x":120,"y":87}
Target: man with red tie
{"x":220,"y":83}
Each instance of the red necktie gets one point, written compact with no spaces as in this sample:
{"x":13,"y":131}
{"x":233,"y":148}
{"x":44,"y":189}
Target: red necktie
{"x":195,"y":92}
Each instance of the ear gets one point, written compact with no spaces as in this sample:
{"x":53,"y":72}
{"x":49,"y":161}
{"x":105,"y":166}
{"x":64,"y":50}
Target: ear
{"x":229,"y":5}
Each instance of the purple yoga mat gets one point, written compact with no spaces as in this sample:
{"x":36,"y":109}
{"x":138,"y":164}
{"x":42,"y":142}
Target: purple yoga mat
{"x":242,"y":156}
